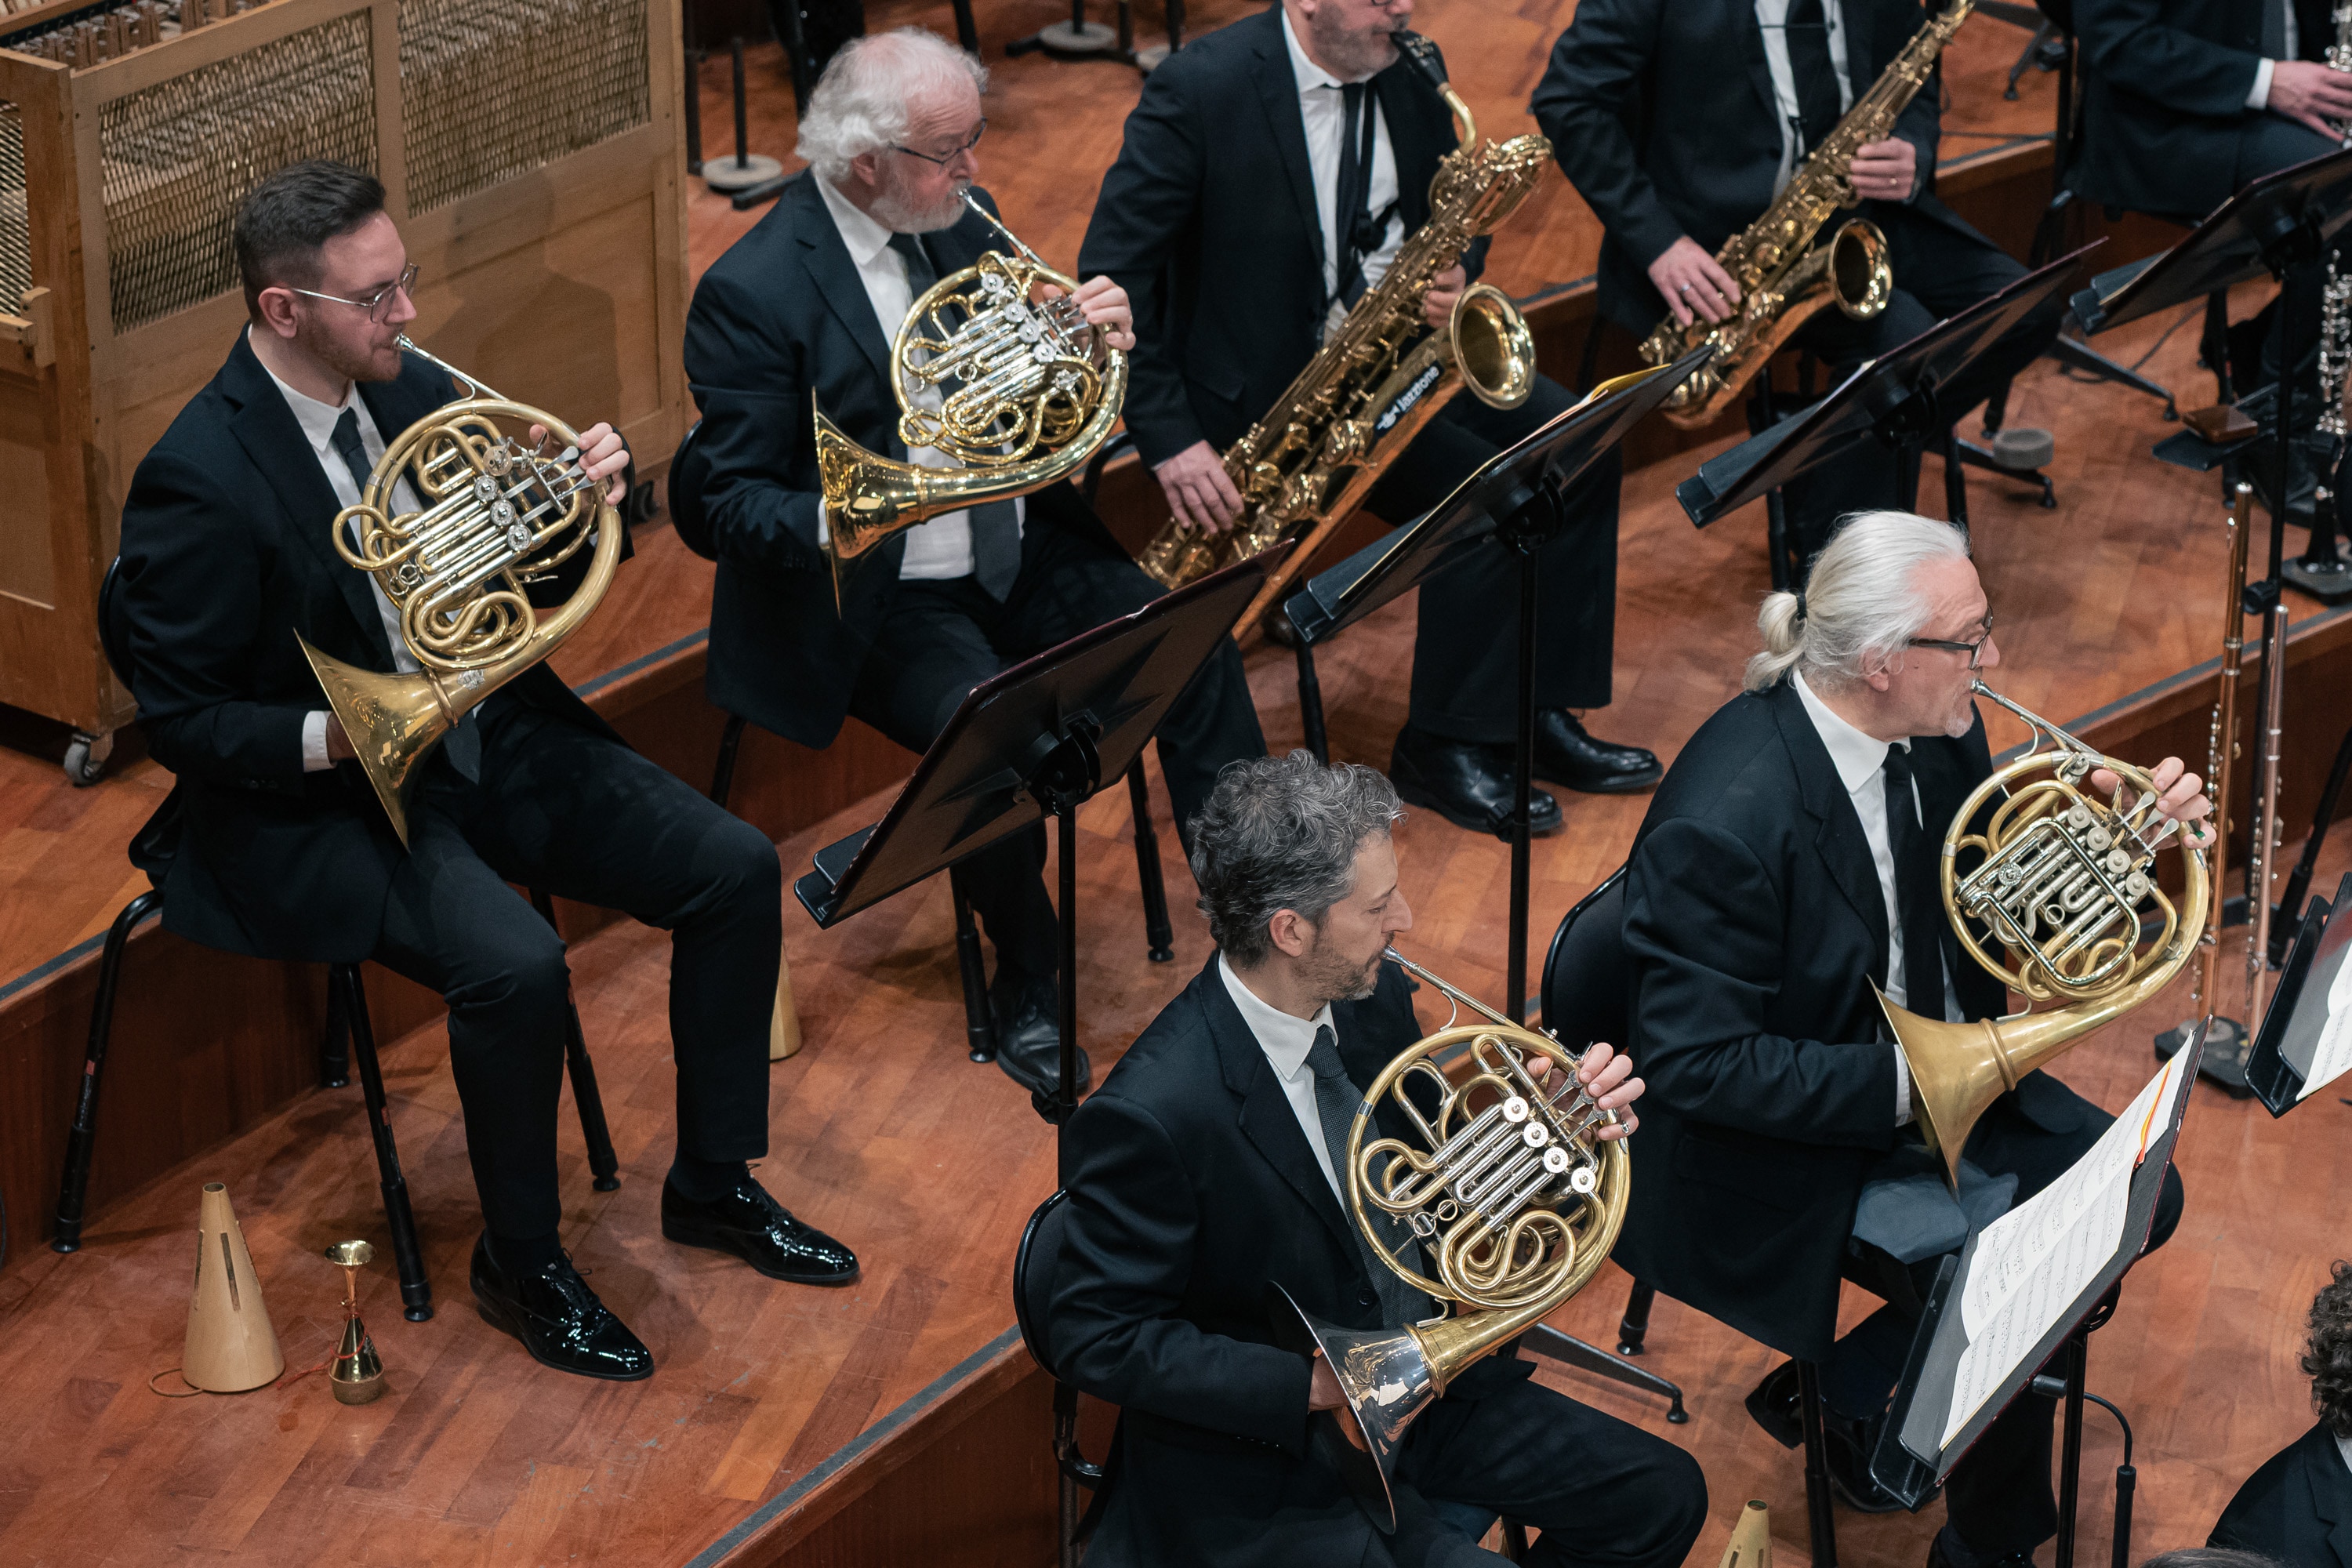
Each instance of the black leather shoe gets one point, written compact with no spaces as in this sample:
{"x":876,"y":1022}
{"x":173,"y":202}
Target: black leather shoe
{"x":1941,"y":1555}
{"x":761,"y":1231}
{"x":558,"y":1319}
{"x":1565,"y":754}
{"x":1775,"y":1404}
{"x":1029,"y":1047}
{"x":1466,"y":783}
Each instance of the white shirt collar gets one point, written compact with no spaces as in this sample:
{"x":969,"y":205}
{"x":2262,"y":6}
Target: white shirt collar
{"x":1856,"y":757}
{"x":864,"y":237}
{"x":1310,"y":75}
{"x":2344,"y":1446}
{"x":317,"y":419}
{"x":1284,"y":1037}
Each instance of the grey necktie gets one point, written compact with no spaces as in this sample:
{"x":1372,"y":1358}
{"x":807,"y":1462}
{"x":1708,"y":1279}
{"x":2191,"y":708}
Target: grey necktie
{"x":995,"y":525}
{"x":1336,"y":1099}
{"x":463,"y":744}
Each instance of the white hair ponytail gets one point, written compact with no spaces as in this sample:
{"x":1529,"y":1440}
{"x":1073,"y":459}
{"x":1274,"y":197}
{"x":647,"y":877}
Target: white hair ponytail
{"x":1858,"y":606}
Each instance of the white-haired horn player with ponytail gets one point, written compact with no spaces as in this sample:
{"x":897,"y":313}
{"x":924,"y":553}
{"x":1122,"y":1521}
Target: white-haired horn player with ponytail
{"x":1788,"y":863}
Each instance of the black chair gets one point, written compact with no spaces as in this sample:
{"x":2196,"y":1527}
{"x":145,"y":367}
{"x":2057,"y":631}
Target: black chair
{"x":348,"y":1036}
{"x":1033,"y":1283}
{"x":1584,"y":992}
{"x":688,"y":472}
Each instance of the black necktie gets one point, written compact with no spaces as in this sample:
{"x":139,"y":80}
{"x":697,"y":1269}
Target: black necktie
{"x":463,"y":744}
{"x":995,"y":525}
{"x":1354,"y":192}
{"x":1336,"y":1100}
{"x":1917,"y":895}
{"x":1806,"y":31}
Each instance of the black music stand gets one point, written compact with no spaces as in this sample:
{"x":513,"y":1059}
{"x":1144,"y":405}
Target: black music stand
{"x":1912,"y":1460}
{"x":2282,"y":224}
{"x":1517,"y":501}
{"x":1036,"y":741}
{"x":2283,"y":1071}
{"x":1889,"y":401}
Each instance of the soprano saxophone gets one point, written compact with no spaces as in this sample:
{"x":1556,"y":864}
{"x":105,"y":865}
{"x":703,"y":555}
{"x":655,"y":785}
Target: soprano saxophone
{"x":1380,"y":374}
{"x":1784,"y":280}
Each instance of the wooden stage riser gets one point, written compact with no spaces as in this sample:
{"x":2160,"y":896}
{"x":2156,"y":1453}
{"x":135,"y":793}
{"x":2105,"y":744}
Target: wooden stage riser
{"x":255,"y":1039}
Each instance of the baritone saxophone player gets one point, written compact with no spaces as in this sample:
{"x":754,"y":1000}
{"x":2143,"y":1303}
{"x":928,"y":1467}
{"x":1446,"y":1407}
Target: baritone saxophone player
{"x":1266,"y":179}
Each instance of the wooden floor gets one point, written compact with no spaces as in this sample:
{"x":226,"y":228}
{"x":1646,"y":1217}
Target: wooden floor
{"x":927,"y":1163}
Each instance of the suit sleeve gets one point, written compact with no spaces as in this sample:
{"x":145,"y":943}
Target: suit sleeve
{"x":1150,"y":198}
{"x":1597,"y":69}
{"x":2131,"y":44}
{"x":1126,"y":1257}
{"x":1921,"y":123}
{"x":191,"y":601}
{"x":748,"y":379}
{"x":1703,"y":936}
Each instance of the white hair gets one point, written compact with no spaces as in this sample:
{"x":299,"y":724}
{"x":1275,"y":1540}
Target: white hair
{"x":1861,"y":603}
{"x":861,"y":103}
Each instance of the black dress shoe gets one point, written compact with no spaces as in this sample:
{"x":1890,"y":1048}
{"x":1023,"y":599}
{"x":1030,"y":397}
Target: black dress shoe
{"x":1565,"y":754}
{"x":761,"y":1231}
{"x":558,"y":1319}
{"x":1029,"y":1047}
{"x":1466,"y":783}
{"x":1941,"y":1554}
{"x":1776,"y":1405}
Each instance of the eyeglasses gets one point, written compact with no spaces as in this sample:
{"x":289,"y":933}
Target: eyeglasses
{"x":950,"y":158}
{"x":377,"y":305}
{"x":1975,"y":651}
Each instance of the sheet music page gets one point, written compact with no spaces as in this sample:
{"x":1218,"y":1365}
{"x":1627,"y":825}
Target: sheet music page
{"x":2333,"y":1055}
{"x":2032,"y":1262}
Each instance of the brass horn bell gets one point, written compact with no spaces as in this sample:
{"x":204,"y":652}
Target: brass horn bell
{"x":2060,"y":894}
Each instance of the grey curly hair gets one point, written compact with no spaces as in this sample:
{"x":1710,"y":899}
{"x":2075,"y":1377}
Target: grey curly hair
{"x":861,"y":102}
{"x":1281,"y":833}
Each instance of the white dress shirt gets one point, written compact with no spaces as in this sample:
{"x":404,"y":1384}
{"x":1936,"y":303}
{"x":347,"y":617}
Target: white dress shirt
{"x":1859,"y":759}
{"x":317,"y":421}
{"x":2259,"y":99}
{"x":1286,"y":1040}
{"x":941,"y":547}
{"x":2344,"y":1448}
{"x":1324,"y":114}
{"x":1771,"y":15}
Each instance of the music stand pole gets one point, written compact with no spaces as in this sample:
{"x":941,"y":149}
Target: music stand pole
{"x":1525,"y":533}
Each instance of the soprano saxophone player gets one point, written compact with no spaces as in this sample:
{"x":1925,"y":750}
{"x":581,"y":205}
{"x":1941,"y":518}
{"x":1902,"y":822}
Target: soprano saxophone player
{"x":1266,"y":179}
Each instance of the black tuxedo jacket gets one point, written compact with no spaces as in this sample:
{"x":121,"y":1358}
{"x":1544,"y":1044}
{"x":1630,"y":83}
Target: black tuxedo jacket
{"x":1754,"y":930}
{"x":1208,"y":221}
{"x":2164,"y":96}
{"x":781,"y":325}
{"x":1192,"y":1189}
{"x":226,"y":556}
{"x":1663,"y":117}
{"x":2297,"y":1509}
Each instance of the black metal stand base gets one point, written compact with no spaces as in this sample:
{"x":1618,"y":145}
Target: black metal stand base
{"x":2328,"y":585}
{"x":2228,"y":1045}
{"x":1548,"y":1343}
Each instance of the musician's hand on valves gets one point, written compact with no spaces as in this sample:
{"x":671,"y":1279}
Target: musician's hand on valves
{"x":602,"y":456}
{"x":1437,"y":305}
{"x":1884,"y":171}
{"x":1200,"y":492}
{"x":1607,"y":1074}
{"x":1105,"y":303}
{"x":2180,"y":796}
{"x":1693,"y":284}
{"x":2310,"y":94}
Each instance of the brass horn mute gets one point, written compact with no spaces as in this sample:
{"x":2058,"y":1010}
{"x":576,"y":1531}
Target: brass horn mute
{"x":2060,"y":892}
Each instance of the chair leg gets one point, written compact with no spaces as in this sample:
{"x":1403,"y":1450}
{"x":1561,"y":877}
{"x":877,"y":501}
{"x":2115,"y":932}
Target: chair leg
{"x":1818,"y":1508}
{"x":415,"y":1292}
{"x":1634,"y":1327}
{"x":73,"y":1188}
{"x":979,"y":1026}
{"x":1159,"y":938}
{"x":1545,"y":1341}
{"x":1956,"y":480}
{"x":1311,"y":703}
{"x":722,"y":779}
{"x":335,"y":1044}
{"x":1515,"y":1540}
{"x":602,"y":1165}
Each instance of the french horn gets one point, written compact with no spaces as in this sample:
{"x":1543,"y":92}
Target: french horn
{"x":1506,"y":1188}
{"x":1028,"y":389}
{"x":495,"y":513}
{"x":2065,"y":908}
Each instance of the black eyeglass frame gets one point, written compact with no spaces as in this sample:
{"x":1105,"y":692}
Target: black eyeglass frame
{"x":1975,"y":651}
{"x":943,"y":163}
{"x":380,"y":301}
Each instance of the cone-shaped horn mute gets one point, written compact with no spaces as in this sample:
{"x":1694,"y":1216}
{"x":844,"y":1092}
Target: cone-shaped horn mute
{"x":231,"y":1345}
{"x":1751,"y":1538}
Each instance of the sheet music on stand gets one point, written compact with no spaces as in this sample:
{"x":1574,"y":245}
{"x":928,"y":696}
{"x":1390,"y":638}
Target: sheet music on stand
{"x":2023,"y":1283}
{"x":2305,"y":1042}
